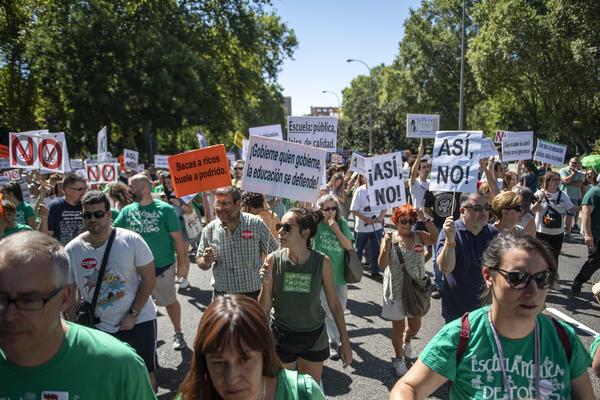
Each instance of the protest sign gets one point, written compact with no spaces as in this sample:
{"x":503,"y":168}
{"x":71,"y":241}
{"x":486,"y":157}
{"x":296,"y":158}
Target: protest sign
{"x":231,"y":157}
{"x":422,"y":126}
{"x":284,"y":169}
{"x":455,"y":163}
{"x":161,"y":161}
{"x":39,"y":150}
{"x":201,"y":140}
{"x":13,"y":174}
{"x":131,"y":159}
{"x":517,"y":146}
{"x":499,"y":135}
{"x":244,"y":148}
{"x":385,"y":184}
{"x":60,"y":136}
{"x":268,"y":131}
{"x":101,"y":172}
{"x":102,"y":150}
{"x":76,"y":164}
{"x":337,"y":159}
{"x":4,"y":163}
{"x":313,"y":131}
{"x":488,"y":148}
{"x":551,"y":153}
{"x":141,"y":167}
{"x":4,"y":152}
{"x":200,"y":170}
{"x":23,"y":151}
{"x":357,"y":164}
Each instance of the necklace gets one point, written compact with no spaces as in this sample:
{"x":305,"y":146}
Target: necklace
{"x":264,"y":390}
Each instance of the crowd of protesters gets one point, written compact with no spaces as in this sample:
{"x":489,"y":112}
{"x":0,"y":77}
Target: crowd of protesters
{"x":279,"y":285}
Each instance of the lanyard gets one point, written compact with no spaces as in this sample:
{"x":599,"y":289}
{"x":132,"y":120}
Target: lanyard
{"x":502,"y":360}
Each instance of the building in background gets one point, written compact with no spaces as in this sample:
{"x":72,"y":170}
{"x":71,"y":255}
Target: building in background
{"x":324,"y":111}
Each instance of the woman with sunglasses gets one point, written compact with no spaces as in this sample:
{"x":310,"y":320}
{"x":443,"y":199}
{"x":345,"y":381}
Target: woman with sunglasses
{"x":517,"y":271}
{"x":338,"y":189}
{"x":333,"y":238}
{"x":292,"y":280}
{"x":508,"y":209}
{"x":411,"y":244}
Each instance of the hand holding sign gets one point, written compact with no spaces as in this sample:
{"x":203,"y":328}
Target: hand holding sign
{"x":266,"y":271}
{"x":449,"y":229}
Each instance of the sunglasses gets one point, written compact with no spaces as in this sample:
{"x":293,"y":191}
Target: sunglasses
{"x":95,"y":214}
{"x":477,"y":208}
{"x":329,"y":209}
{"x":286,"y":227}
{"x":407,"y":221}
{"x":516,"y":208}
{"x":238,"y":168}
{"x":520,"y":279}
{"x":79,"y":189}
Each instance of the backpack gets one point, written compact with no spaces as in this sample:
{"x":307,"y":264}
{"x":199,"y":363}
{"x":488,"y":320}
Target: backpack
{"x":552,"y":219}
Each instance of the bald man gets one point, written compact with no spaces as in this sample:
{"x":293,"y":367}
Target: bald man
{"x":157,"y":222}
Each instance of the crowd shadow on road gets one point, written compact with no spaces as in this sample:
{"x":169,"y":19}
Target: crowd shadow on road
{"x":583,"y":304}
{"x":171,"y":378}
{"x":336,"y":383}
{"x":197,"y":297}
{"x":364,"y":310}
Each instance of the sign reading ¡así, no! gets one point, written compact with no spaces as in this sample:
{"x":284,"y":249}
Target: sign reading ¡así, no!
{"x":455,"y":163}
{"x":385,"y":182}
{"x":314,"y":131}
{"x":550,"y":153}
{"x":131,"y":158}
{"x":422,"y":125}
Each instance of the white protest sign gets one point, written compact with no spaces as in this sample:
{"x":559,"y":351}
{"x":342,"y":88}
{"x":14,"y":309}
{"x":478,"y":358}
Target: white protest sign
{"x":313,"y":131}
{"x":231,"y":158}
{"x":102,"y":138}
{"x":455,"y":161}
{"x":161,"y":161}
{"x":284,"y":169}
{"x":385,"y":182}
{"x":550,"y":153}
{"x":76,"y":164}
{"x":102,"y":173}
{"x":269,"y":131}
{"x":517,"y":146}
{"x":422,"y":125}
{"x":23,"y":150}
{"x":245,"y":143}
{"x":130,"y":157}
{"x":141,"y":168}
{"x":201,"y":140}
{"x":499,"y":135}
{"x":357,"y":164}
{"x":39,"y":150}
{"x":488,"y":148}
{"x":337,"y":158}
{"x":13,"y":174}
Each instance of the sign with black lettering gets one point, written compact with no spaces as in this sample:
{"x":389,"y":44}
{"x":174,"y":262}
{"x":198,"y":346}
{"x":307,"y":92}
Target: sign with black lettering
{"x":422,"y":125}
{"x":517,"y":146}
{"x":314,"y":131}
{"x":131,"y":159}
{"x":455,"y":161}
{"x":550,"y":153}
{"x":385,"y":183}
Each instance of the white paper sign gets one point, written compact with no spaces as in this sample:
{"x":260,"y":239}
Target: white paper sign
{"x":499,"y":135}
{"x":517,"y":146}
{"x":161,"y":161}
{"x":76,"y":163}
{"x":269,"y":131}
{"x":231,"y":158}
{"x":284,"y":169}
{"x":102,"y":173}
{"x":385,"y":184}
{"x":131,"y":159}
{"x":422,"y":125}
{"x":201,"y":140}
{"x":357,"y":164}
{"x":337,"y":159}
{"x":551,"y":153}
{"x":245,"y":143}
{"x":13,"y":174}
{"x":102,"y":144}
{"x":39,"y":150}
{"x":313,"y":131}
{"x":66,"y":158}
{"x":488,"y":148}
{"x":455,"y":161}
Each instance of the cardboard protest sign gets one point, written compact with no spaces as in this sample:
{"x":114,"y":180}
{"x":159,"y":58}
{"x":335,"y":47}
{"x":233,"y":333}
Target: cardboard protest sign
{"x":357,"y":164}
{"x":284,"y":169}
{"x":161,"y":161}
{"x":200,"y":170}
{"x":385,"y":183}
{"x":455,"y":163}
{"x":268,"y":131}
{"x":422,"y":126}
{"x":130,"y":157}
{"x":550,"y":153}
{"x":499,"y":135}
{"x":313,"y":131}
{"x":517,"y":146}
{"x":488,"y":148}
{"x":101,"y":172}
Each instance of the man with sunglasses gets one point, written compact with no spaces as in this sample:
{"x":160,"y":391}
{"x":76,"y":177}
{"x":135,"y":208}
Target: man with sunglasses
{"x":124,"y":307}
{"x":43,"y":356}
{"x":63,"y":219}
{"x":238,"y":174}
{"x":459,"y":251}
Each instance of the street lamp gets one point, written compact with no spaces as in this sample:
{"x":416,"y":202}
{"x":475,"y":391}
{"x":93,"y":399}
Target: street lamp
{"x":461,"y":100}
{"x":338,"y":100}
{"x":371,"y":102}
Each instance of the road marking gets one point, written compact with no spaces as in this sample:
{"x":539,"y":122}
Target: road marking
{"x":572,"y":321}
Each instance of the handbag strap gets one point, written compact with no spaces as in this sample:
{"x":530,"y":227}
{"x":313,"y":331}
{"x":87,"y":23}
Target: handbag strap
{"x":102,"y":269}
{"x":400,"y":258}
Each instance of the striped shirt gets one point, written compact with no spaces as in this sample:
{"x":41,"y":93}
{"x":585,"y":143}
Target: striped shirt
{"x":237,"y":253}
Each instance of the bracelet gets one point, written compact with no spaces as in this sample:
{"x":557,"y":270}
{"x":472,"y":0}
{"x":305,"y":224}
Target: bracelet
{"x":451,"y":244}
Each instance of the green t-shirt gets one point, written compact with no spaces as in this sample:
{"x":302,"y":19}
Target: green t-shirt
{"x":294,"y":386}
{"x":155,"y":222}
{"x":592,"y":198}
{"x":114,"y":214}
{"x":594,"y":346}
{"x":478,"y":376}
{"x":89,"y":365}
{"x":158,"y":189}
{"x":16,"y":228}
{"x":574,"y":192}
{"x":24,"y":212}
{"x":326,"y":242}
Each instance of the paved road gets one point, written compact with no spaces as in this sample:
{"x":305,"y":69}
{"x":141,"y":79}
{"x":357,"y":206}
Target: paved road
{"x":371,"y":375}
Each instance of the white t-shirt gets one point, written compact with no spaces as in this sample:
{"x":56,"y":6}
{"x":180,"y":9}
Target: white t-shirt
{"x":417,"y":192}
{"x":360,"y":203}
{"x":121,"y":280}
{"x":562,"y":207}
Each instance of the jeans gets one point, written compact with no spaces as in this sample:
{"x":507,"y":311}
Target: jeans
{"x":438,"y":277}
{"x":374,"y":239}
{"x":332,"y":330}
{"x":591,"y":265}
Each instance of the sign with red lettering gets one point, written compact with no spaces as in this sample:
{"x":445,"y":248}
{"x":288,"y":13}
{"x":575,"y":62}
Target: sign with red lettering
{"x":39,"y":150}
{"x":102,"y":173}
{"x":4,"y":152}
{"x":23,"y":151}
{"x":51,"y":154}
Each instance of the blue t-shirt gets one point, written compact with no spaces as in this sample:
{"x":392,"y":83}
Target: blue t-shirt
{"x":464,"y":284}
{"x":64,"y":220}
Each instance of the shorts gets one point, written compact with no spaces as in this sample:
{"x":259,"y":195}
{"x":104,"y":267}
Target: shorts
{"x":164,"y":292}
{"x":304,"y":347}
{"x":143,"y":340}
{"x":393,"y":310}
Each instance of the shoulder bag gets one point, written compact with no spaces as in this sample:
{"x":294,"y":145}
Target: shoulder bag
{"x":85,"y":311}
{"x":352,"y":266}
{"x":416,"y":293}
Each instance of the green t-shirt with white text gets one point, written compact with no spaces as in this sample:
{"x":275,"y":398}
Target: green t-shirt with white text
{"x":24,"y":212}
{"x":326,"y":242}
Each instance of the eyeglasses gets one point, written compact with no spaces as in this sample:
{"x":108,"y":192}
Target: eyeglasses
{"x":238,"y":168}
{"x":520,"y":279}
{"x":286,"y":227}
{"x":329,"y":209}
{"x":517,"y":208}
{"x":407,"y":221}
{"x":28,"y":304}
{"x":95,"y":214}
{"x":79,"y":189}
{"x":477,"y":208}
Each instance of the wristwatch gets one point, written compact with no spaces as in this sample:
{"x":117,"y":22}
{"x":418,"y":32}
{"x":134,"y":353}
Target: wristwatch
{"x":133,"y":313}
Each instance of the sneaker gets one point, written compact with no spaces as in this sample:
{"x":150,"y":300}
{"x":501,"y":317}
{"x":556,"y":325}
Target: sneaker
{"x":399,"y":366}
{"x":377,"y":276}
{"x":334,"y":351}
{"x":183,"y":283}
{"x":436,"y":294}
{"x":178,"y":341}
{"x":576,"y":288}
{"x":575,"y":228}
{"x":407,"y":350}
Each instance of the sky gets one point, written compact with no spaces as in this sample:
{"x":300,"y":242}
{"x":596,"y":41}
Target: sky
{"x":331,"y":31}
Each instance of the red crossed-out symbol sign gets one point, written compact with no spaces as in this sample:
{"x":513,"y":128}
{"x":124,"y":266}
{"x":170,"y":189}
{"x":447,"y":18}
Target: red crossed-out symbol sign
{"x":50,"y":154}
{"x":93,"y":173}
{"x":24,"y":151}
{"x":109,"y":172}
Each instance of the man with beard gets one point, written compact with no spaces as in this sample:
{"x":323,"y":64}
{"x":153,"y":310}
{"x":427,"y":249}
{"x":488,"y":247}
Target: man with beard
{"x":157,"y":222}
{"x":235,"y":244}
